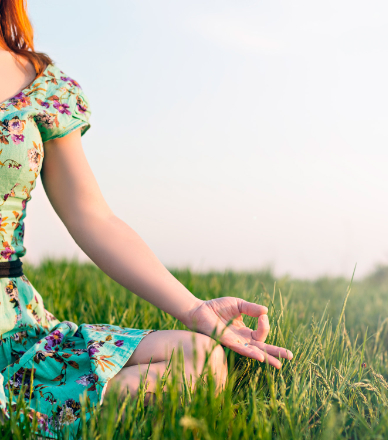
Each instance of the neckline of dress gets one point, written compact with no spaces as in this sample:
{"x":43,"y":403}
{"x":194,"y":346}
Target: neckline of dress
{"x":29,"y":86}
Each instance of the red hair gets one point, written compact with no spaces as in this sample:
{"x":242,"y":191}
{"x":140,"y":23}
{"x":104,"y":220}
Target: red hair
{"x":17,"y":34}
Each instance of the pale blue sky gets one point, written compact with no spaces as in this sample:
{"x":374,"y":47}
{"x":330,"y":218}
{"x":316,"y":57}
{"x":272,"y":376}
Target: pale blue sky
{"x":230,"y":134}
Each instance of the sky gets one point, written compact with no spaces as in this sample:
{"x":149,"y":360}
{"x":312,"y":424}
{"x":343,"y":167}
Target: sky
{"x":230,"y":134}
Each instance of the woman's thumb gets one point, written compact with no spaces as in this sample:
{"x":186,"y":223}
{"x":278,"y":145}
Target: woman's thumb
{"x":262,"y":329}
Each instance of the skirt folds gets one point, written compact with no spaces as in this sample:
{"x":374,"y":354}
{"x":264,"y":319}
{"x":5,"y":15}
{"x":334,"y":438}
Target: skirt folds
{"x":52,"y":364}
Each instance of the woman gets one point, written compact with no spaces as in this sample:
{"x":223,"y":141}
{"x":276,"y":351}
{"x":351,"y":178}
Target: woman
{"x":43,"y":114}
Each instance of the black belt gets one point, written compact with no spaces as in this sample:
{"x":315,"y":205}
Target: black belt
{"x":11,"y":269}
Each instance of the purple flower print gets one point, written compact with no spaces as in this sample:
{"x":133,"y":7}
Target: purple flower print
{"x":20,"y":95}
{"x":119,"y":343}
{"x":53,"y":340}
{"x":74,"y":82}
{"x":7,"y":252}
{"x":16,"y":126}
{"x":43,"y":103}
{"x":71,"y":81}
{"x":17,"y":138}
{"x":93,"y":347}
{"x":92,"y":350}
{"x":62,"y":108}
{"x":81,"y":108}
{"x":87,"y":379}
{"x":16,"y":382}
{"x":20,"y":100}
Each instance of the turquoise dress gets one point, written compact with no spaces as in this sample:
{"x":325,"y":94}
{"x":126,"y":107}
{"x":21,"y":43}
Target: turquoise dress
{"x":59,"y":361}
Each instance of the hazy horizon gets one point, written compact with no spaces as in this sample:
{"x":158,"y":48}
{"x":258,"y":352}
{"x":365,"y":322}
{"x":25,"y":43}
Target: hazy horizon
{"x":230,"y":134}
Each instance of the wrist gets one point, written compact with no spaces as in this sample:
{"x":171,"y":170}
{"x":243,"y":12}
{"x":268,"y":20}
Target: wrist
{"x":187,"y":315}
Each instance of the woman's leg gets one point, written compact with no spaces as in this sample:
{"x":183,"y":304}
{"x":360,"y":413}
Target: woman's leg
{"x":158,"y":347}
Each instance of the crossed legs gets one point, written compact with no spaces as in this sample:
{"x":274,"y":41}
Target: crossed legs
{"x":158,"y":347}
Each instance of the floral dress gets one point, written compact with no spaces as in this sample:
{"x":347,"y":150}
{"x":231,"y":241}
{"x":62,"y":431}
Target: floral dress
{"x":58,"y":361}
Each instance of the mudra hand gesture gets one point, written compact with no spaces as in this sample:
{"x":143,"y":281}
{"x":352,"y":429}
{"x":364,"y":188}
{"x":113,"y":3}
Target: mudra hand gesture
{"x":215,"y":314}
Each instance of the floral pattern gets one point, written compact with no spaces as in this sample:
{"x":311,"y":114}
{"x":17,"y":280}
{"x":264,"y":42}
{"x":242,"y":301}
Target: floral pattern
{"x":47,"y":362}
{"x":51,"y":107}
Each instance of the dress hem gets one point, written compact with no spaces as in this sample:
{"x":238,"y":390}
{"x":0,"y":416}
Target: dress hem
{"x":126,"y":359}
{"x":10,"y":370}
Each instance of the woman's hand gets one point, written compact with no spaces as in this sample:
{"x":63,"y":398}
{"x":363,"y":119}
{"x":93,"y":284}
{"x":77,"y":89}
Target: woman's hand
{"x":216,"y":313}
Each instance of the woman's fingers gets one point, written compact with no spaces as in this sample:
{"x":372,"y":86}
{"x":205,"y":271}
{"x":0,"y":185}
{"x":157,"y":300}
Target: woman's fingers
{"x":251,"y":309}
{"x":274,"y":350}
{"x":241,"y":345}
{"x":272,"y":361}
{"x":246,"y":342}
{"x":254,"y":352}
{"x":262,"y":331}
{"x":248,"y":350}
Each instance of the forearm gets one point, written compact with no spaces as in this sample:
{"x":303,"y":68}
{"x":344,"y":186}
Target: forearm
{"x":124,"y":256}
{"x":118,"y":250}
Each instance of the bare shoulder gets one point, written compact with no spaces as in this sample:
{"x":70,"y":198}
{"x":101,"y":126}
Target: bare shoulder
{"x":16,"y":73}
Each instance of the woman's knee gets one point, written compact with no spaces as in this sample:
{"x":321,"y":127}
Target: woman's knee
{"x":207,"y":353}
{"x":219,"y":365}
{"x":199,"y":351}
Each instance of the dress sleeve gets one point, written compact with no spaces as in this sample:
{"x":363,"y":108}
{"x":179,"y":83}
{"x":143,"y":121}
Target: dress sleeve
{"x":63,"y":112}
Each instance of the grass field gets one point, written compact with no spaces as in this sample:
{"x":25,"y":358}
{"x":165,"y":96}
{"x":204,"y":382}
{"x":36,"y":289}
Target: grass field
{"x":335,"y":387}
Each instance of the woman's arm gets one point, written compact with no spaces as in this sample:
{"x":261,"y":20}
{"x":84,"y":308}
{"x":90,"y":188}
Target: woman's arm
{"x":119,"y":251}
{"x":109,"y":242}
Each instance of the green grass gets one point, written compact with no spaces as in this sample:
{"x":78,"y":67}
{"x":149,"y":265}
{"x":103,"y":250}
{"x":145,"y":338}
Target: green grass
{"x":335,"y":387}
